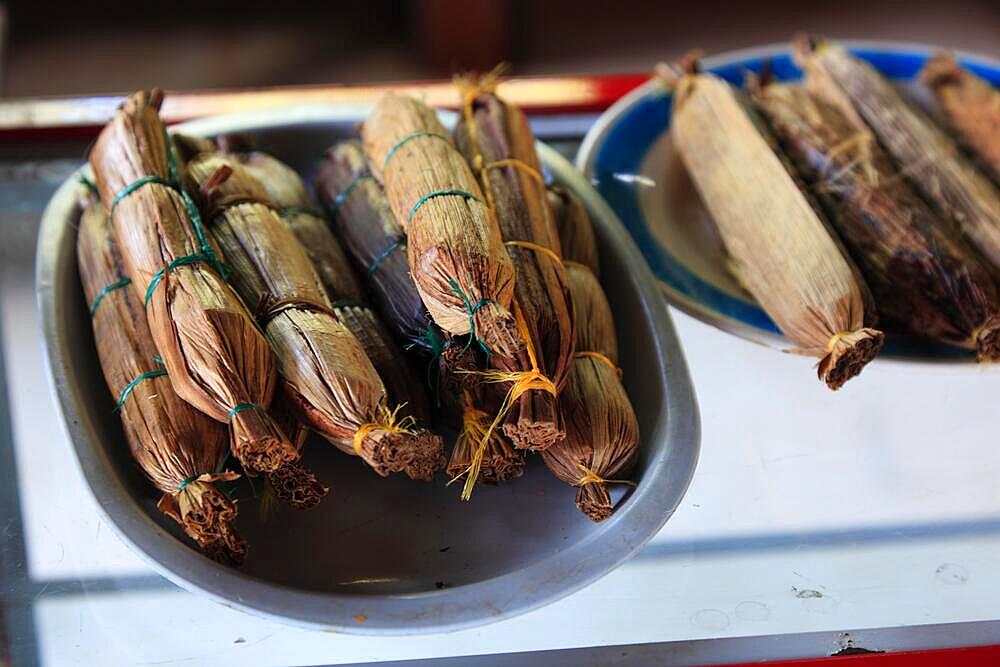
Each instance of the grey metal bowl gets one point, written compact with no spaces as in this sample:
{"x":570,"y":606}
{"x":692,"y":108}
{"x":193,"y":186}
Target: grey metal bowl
{"x":387,"y":556}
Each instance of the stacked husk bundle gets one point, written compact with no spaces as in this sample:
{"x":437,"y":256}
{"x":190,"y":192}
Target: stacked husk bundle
{"x":924,"y":153}
{"x":182,"y":451}
{"x":216,"y":356}
{"x":362,"y":219}
{"x":457,"y":259}
{"x":324,"y":368}
{"x":780,"y":246}
{"x":602,"y":433}
{"x":495,"y":138}
{"x":576,"y":235}
{"x":969,"y":105}
{"x":925,"y":282}
{"x":288,"y":193}
{"x":471,"y":406}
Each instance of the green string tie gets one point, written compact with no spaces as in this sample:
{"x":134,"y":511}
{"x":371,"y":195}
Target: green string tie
{"x":407,"y":139}
{"x":180,"y":261}
{"x":90,"y":185}
{"x":339,"y":200}
{"x":399,"y":242}
{"x":471,"y":309}
{"x":107,"y":290}
{"x":237,"y":409}
{"x":451,"y":192}
{"x":132,"y":385}
{"x":222,"y":465}
{"x":289,"y":211}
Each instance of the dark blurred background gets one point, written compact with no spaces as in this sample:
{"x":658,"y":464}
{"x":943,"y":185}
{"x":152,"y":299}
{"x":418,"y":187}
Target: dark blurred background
{"x":91,"y":47}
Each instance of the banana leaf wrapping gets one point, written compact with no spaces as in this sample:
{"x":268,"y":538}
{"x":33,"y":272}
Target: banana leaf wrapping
{"x":970,"y":106}
{"x":217,"y":357}
{"x":602,"y":433}
{"x":181,"y":451}
{"x":362,"y":219}
{"x":576,"y":234}
{"x":495,"y":138}
{"x":925,"y":154}
{"x":925,"y":282}
{"x":457,"y":258}
{"x":324,"y":368}
{"x":780,"y":246}
{"x":287,"y":192}
{"x":470,"y":406}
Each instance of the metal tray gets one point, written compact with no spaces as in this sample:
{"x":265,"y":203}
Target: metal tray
{"x":387,"y":556}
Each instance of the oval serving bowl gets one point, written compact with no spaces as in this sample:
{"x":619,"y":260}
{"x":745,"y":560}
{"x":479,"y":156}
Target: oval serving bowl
{"x":630,"y":160}
{"x":387,"y":556}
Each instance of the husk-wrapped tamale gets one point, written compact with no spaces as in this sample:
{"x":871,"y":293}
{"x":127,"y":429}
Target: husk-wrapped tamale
{"x":362,"y":219}
{"x":923,"y":152}
{"x":471,"y":406}
{"x":925,"y":282}
{"x":602,"y":433}
{"x":285,"y":189}
{"x":182,"y":451}
{"x":457,"y":258}
{"x":324,"y":368}
{"x":576,"y":235}
{"x":217,"y":358}
{"x":970,"y":106}
{"x":779,"y":244}
{"x":495,"y":138}
{"x":287,"y":192}
{"x":293,"y":483}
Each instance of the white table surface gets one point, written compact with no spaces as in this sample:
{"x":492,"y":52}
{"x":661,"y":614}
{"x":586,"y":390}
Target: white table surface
{"x":876,"y":506}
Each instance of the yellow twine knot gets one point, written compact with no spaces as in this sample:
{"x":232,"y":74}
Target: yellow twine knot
{"x":386,"y":422}
{"x":834,"y":339}
{"x":591,"y":477}
{"x":602,"y":358}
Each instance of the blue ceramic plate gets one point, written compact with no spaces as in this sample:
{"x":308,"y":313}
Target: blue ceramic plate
{"x":629,"y":158}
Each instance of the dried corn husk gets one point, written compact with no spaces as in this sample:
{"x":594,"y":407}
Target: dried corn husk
{"x":602,"y":433}
{"x":923,"y":152}
{"x":286,"y":191}
{"x":216,"y":356}
{"x":325,"y":370}
{"x":459,"y":264}
{"x":780,"y":245}
{"x":576,"y":234}
{"x":495,"y":138}
{"x":926,"y":283}
{"x":293,"y":483}
{"x":182,"y":451}
{"x":297,"y":209}
{"x":362,"y":219}
{"x":471,"y":406}
{"x":971,"y":107}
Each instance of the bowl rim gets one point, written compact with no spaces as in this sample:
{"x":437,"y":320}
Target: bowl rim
{"x":544,"y":581}
{"x":590,"y":147}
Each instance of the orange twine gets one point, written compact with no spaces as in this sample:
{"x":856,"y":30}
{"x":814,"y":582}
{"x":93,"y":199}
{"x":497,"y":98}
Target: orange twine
{"x":591,"y":477}
{"x":599,"y":357}
{"x":386,"y":422}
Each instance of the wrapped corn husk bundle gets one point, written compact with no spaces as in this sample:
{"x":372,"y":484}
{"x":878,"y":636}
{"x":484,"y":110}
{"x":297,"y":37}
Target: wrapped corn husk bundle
{"x":970,"y":106}
{"x":495,"y":138}
{"x":362,"y":219}
{"x":576,"y":234}
{"x":324,"y":368}
{"x":925,"y":282}
{"x":457,"y":258}
{"x":287,"y":192}
{"x":780,"y":246}
{"x":182,"y":451}
{"x":216,"y":356}
{"x":925,"y":154}
{"x":471,"y":406}
{"x":602,"y":433}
